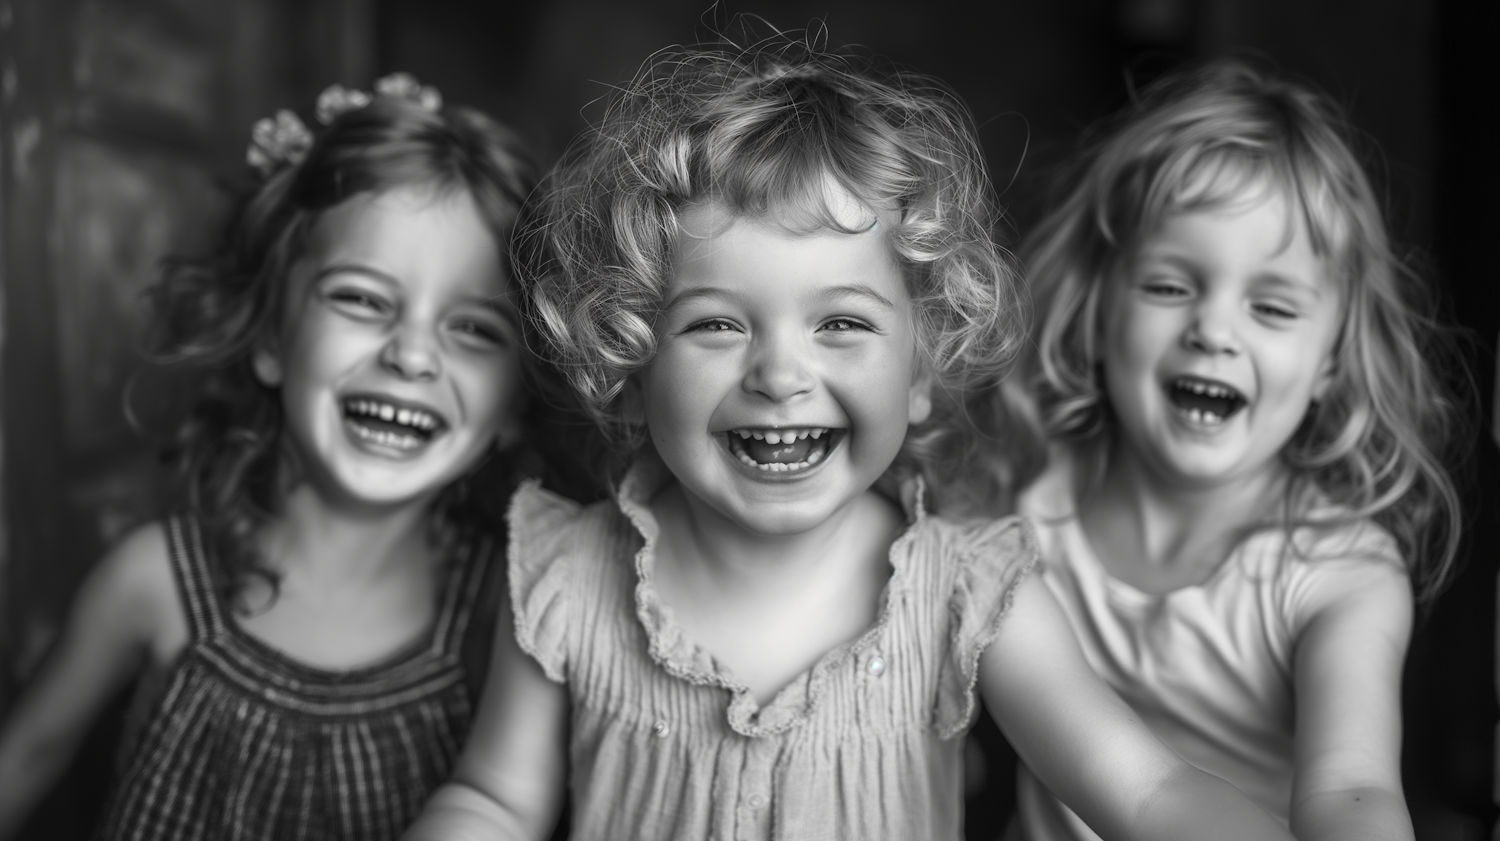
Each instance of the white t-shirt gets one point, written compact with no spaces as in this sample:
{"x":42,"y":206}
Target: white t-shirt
{"x":1207,"y":667}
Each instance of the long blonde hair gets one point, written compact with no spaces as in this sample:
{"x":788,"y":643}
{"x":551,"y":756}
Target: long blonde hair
{"x":1375,"y":445}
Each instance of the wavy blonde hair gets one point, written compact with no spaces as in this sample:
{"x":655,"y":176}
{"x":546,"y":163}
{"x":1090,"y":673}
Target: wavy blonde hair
{"x":765,"y":132}
{"x":1376,"y":444}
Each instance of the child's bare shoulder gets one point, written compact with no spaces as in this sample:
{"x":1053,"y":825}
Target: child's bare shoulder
{"x":132,"y":588}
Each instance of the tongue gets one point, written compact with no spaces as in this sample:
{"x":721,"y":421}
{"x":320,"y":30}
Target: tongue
{"x":787,"y":452}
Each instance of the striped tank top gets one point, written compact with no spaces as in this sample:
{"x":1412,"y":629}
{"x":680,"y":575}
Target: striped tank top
{"x":246,"y":743}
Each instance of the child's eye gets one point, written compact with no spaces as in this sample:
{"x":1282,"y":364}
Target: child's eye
{"x":844,"y":324}
{"x":479,"y":332}
{"x":1274,"y":310}
{"x":358,"y":301}
{"x":711,"y":325}
{"x":1164,"y":288}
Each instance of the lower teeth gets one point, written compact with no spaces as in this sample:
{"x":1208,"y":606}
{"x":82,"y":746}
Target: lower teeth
{"x":387,"y":439}
{"x":1200,"y":416}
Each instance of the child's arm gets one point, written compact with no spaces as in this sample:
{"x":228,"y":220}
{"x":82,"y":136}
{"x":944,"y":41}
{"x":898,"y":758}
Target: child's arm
{"x":1088,"y":746}
{"x":509,"y":781}
{"x":1348,"y":687}
{"x":124,"y":604}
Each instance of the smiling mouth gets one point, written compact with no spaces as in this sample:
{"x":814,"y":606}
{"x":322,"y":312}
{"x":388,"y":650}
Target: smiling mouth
{"x":1205,"y":402}
{"x":782,"y":450}
{"x":394,"y":425}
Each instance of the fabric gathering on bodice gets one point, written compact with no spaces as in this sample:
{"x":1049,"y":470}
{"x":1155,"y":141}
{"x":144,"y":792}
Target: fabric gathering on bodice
{"x":245,"y":742}
{"x":667,"y":744}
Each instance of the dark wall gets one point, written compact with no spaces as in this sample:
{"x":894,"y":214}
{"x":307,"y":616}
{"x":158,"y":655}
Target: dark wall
{"x":121,"y":121}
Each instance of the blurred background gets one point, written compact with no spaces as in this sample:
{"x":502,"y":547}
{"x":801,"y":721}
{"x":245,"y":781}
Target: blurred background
{"x":123,"y":125}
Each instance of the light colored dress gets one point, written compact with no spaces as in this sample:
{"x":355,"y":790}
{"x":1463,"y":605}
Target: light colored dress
{"x":665,"y":743}
{"x":1208,"y":667}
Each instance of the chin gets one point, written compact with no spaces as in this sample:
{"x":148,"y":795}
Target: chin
{"x":779,"y":519}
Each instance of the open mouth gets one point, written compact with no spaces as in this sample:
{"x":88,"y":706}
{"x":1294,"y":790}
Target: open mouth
{"x":395,"y":425}
{"x":1204,"y":402}
{"x":782,"y":450}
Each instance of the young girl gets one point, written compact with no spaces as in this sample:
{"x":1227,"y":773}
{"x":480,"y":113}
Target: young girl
{"x":1249,"y":425}
{"x":773,"y":278}
{"x":297,"y":627}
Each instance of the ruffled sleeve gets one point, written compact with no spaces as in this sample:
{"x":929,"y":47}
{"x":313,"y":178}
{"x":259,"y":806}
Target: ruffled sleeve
{"x":539,"y":565}
{"x":993,"y":558}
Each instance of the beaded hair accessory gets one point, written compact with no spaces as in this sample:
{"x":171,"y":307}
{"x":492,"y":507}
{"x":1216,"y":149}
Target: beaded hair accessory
{"x":283,"y":140}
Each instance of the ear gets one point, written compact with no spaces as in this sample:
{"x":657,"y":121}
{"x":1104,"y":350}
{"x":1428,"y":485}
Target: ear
{"x":1324,"y":378}
{"x":919,"y":396}
{"x":266,"y":360}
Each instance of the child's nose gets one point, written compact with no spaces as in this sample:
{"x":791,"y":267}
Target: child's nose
{"x":1212,"y":331}
{"x":413,"y":354}
{"x":777,"y":370}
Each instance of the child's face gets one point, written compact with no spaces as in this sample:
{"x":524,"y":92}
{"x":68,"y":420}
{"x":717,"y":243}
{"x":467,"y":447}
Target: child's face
{"x":1217,"y":337}
{"x":772,"y":335}
{"x":399,"y":352}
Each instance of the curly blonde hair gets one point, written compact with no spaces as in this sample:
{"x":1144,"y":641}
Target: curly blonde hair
{"x":761,"y":132}
{"x":1376,"y":443}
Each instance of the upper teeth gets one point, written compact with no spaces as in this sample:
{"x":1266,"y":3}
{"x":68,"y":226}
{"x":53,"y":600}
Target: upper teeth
{"x":415,"y":418}
{"x":780,"y":436}
{"x":1207,"y":388}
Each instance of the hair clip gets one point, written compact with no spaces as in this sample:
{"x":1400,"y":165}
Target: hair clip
{"x":283,"y":140}
{"x":277,"y":141}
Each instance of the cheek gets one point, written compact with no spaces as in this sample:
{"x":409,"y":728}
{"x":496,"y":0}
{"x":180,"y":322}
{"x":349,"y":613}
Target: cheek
{"x":321,"y":347}
{"x":673,"y":394}
{"x":495,"y":391}
{"x":1131,"y":344}
{"x":876,"y":392}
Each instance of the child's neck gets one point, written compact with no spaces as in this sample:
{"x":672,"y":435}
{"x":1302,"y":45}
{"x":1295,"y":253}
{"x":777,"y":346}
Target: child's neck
{"x":316,"y":537}
{"x":353,"y":586}
{"x":1160,"y":535}
{"x":768,"y":607}
{"x":721,"y":550}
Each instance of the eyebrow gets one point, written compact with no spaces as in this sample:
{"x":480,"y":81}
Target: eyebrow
{"x":353,"y":268}
{"x":832,"y":293}
{"x":857,"y":290}
{"x":1280,"y":280}
{"x":701,"y":292}
{"x":1265,"y":277}
{"x":501,"y":305}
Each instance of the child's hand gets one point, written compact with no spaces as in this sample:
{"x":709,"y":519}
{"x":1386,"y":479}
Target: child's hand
{"x":1089,"y":747}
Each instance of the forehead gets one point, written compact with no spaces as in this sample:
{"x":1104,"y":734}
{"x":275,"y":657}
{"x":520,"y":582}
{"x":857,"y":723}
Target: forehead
{"x":416,"y":234}
{"x":742,"y":256}
{"x":1231,"y":179}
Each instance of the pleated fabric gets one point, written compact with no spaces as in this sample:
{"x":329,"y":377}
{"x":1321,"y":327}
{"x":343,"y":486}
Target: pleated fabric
{"x":246,"y":743}
{"x":667,"y":744}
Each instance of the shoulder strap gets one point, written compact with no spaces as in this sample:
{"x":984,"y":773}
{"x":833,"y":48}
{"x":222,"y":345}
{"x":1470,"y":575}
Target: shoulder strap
{"x":200,"y":601}
{"x":462,"y":592}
